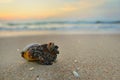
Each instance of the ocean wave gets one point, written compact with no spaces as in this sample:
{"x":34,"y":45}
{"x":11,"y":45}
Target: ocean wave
{"x":60,"y":22}
{"x":60,"y":25}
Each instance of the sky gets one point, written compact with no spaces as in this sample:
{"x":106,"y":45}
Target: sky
{"x":60,"y":9}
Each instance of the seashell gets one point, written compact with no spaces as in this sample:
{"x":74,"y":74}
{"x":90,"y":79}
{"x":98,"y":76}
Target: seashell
{"x":31,"y":68}
{"x":40,"y":53}
{"x":28,"y":46}
{"x":76,"y":74}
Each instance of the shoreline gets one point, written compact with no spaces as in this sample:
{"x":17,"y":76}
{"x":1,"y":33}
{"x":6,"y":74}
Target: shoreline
{"x":36,"y":33}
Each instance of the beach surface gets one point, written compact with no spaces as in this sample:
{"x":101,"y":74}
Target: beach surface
{"x":93,"y":57}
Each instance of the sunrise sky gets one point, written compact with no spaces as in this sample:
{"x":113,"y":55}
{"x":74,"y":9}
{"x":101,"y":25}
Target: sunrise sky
{"x":60,"y":9}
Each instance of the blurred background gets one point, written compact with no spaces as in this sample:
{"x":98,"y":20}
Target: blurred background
{"x":81,"y":16}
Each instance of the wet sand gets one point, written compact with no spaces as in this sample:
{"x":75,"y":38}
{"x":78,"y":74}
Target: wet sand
{"x":94,"y":57}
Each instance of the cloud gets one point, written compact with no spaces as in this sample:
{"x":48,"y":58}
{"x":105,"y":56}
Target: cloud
{"x":78,"y":6}
{"x":81,"y":8}
{"x":48,"y":8}
{"x":68,"y":8}
{"x":81,"y":5}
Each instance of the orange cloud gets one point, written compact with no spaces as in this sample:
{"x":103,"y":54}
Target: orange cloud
{"x":33,"y":14}
{"x":68,"y":8}
{"x":80,"y":8}
{"x":81,"y":5}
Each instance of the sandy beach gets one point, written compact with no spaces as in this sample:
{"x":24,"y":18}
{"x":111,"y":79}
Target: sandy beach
{"x":93,"y":57}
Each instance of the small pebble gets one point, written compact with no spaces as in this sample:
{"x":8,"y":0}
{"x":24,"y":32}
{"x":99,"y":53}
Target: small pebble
{"x":31,"y":68}
{"x":75,"y":61}
{"x":18,"y":49}
{"x":75,"y":74}
{"x":37,"y":78}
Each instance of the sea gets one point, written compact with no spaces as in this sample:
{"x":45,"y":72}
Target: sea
{"x":74,"y":26}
